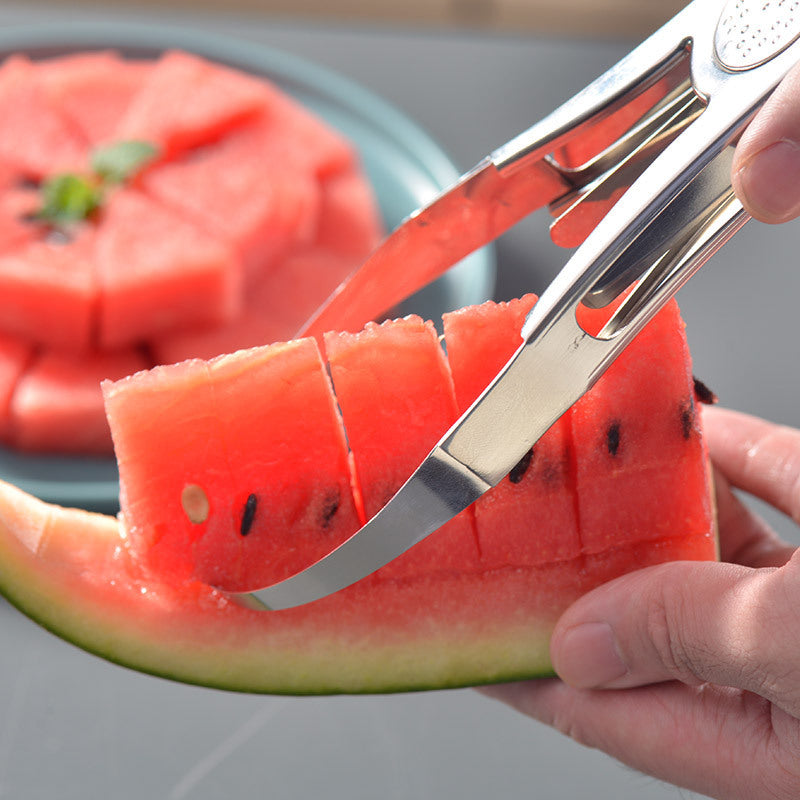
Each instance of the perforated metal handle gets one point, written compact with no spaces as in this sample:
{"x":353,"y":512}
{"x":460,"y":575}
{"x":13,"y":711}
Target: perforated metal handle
{"x":751,"y":32}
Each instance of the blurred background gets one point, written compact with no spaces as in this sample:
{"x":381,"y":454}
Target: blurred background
{"x":472,"y":73}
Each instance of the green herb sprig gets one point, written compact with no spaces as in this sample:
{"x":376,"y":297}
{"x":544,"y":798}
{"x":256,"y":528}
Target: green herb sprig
{"x":68,"y":198}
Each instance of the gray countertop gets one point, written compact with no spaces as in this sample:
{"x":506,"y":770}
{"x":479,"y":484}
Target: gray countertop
{"x":73,"y":726}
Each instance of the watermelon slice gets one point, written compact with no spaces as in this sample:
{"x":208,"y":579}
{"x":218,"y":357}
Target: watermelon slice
{"x":348,"y":217}
{"x":57,"y":146}
{"x":187,"y":102}
{"x":93,"y":90}
{"x":195,"y":442}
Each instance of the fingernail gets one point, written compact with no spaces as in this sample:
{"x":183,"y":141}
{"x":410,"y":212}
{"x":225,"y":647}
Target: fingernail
{"x":587,"y":656}
{"x":769,"y":182}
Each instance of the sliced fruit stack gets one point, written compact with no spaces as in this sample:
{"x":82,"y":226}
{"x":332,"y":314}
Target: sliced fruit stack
{"x":245,"y":213}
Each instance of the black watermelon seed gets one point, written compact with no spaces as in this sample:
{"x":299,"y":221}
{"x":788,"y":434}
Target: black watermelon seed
{"x":521,"y":467}
{"x":612,"y":438}
{"x":688,"y":413}
{"x":248,"y":515}
{"x":329,"y":508}
{"x":703,"y":393}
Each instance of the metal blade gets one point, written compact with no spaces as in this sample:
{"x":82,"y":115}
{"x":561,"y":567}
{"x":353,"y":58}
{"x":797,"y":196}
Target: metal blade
{"x":475,"y":211}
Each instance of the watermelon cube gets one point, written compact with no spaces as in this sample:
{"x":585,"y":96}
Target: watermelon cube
{"x":25,"y":106}
{"x":48,"y":293}
{"x":260,"y":205}
{"x":57,"y":403}
{"x":15,"y":354}
{"x":157,"y":273}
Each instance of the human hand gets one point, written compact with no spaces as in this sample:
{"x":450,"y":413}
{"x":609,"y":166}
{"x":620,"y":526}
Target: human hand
{"x":766,"y":164}
{"x":690,"y":671}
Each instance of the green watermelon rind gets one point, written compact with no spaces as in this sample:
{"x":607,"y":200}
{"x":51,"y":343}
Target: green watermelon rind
{"x":184,"y":641}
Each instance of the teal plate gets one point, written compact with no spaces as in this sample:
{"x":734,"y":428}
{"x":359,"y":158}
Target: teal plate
{"x":406,"y":167}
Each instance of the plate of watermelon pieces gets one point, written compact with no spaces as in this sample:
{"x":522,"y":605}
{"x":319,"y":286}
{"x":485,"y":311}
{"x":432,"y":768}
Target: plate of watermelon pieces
{"x":166,"y":195}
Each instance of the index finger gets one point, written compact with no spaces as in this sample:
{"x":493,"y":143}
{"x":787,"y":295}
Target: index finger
{"x":756,"y":456}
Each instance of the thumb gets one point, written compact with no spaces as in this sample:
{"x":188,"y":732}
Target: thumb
{"x":766,"y":165}
{"x":689,"y":621}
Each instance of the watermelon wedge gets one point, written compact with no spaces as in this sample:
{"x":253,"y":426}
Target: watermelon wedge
{"x":236,"y":470}
{"x":93,"y":90}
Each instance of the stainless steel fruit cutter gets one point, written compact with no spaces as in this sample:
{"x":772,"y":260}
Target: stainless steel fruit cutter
{"x":636,"y":169}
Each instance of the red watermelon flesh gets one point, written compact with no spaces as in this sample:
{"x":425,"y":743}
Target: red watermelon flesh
{"x":15,"y":355}
{"x":16,"y":225}
{"x":48,"y":293}
{"x":349,"y":222}
{"x":187,"y":101}
{"x":261,"y":207}
{"x":393,"y":385}
{"x":156,"y":418}
{"x":57,"y":403}
{"x":57,"y":146}
{"x":287,"y":452}
{"x":157,"y":272}
{"x":614,"y":449}
{"x":288,"y":133}
{"x":480,"y":340}
{"x":93,"y":90}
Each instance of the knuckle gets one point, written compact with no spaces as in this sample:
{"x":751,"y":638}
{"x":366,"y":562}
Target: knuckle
{"x":664,"y":630}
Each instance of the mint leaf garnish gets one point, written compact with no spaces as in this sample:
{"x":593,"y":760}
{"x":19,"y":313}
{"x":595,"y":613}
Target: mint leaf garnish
{"x":117,"y":162}
{"x":68,"y":198}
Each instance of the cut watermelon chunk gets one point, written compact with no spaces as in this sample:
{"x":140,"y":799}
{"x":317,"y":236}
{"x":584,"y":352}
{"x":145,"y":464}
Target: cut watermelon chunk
{"x":616,"y":449}
{"x":187,"y":101}
{"x":396,"y":394}
{"x":511,"y":518}
{"x":246,"y":464}
{"x":93,"y":90}
{"x":261,"y":207}
{"x":14,"y":358}
{"x":48,"y":293}
{"x":349,"y":222}
{"x":16,"y":225}
{"x":24,"y":107}
{"x":274,"y":309}
{"x":289,"y":134}
{"x":57,"y":403}
{"x":157,"y":273}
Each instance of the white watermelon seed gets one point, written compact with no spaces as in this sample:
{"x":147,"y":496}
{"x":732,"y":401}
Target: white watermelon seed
{"x":195,"y":503}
